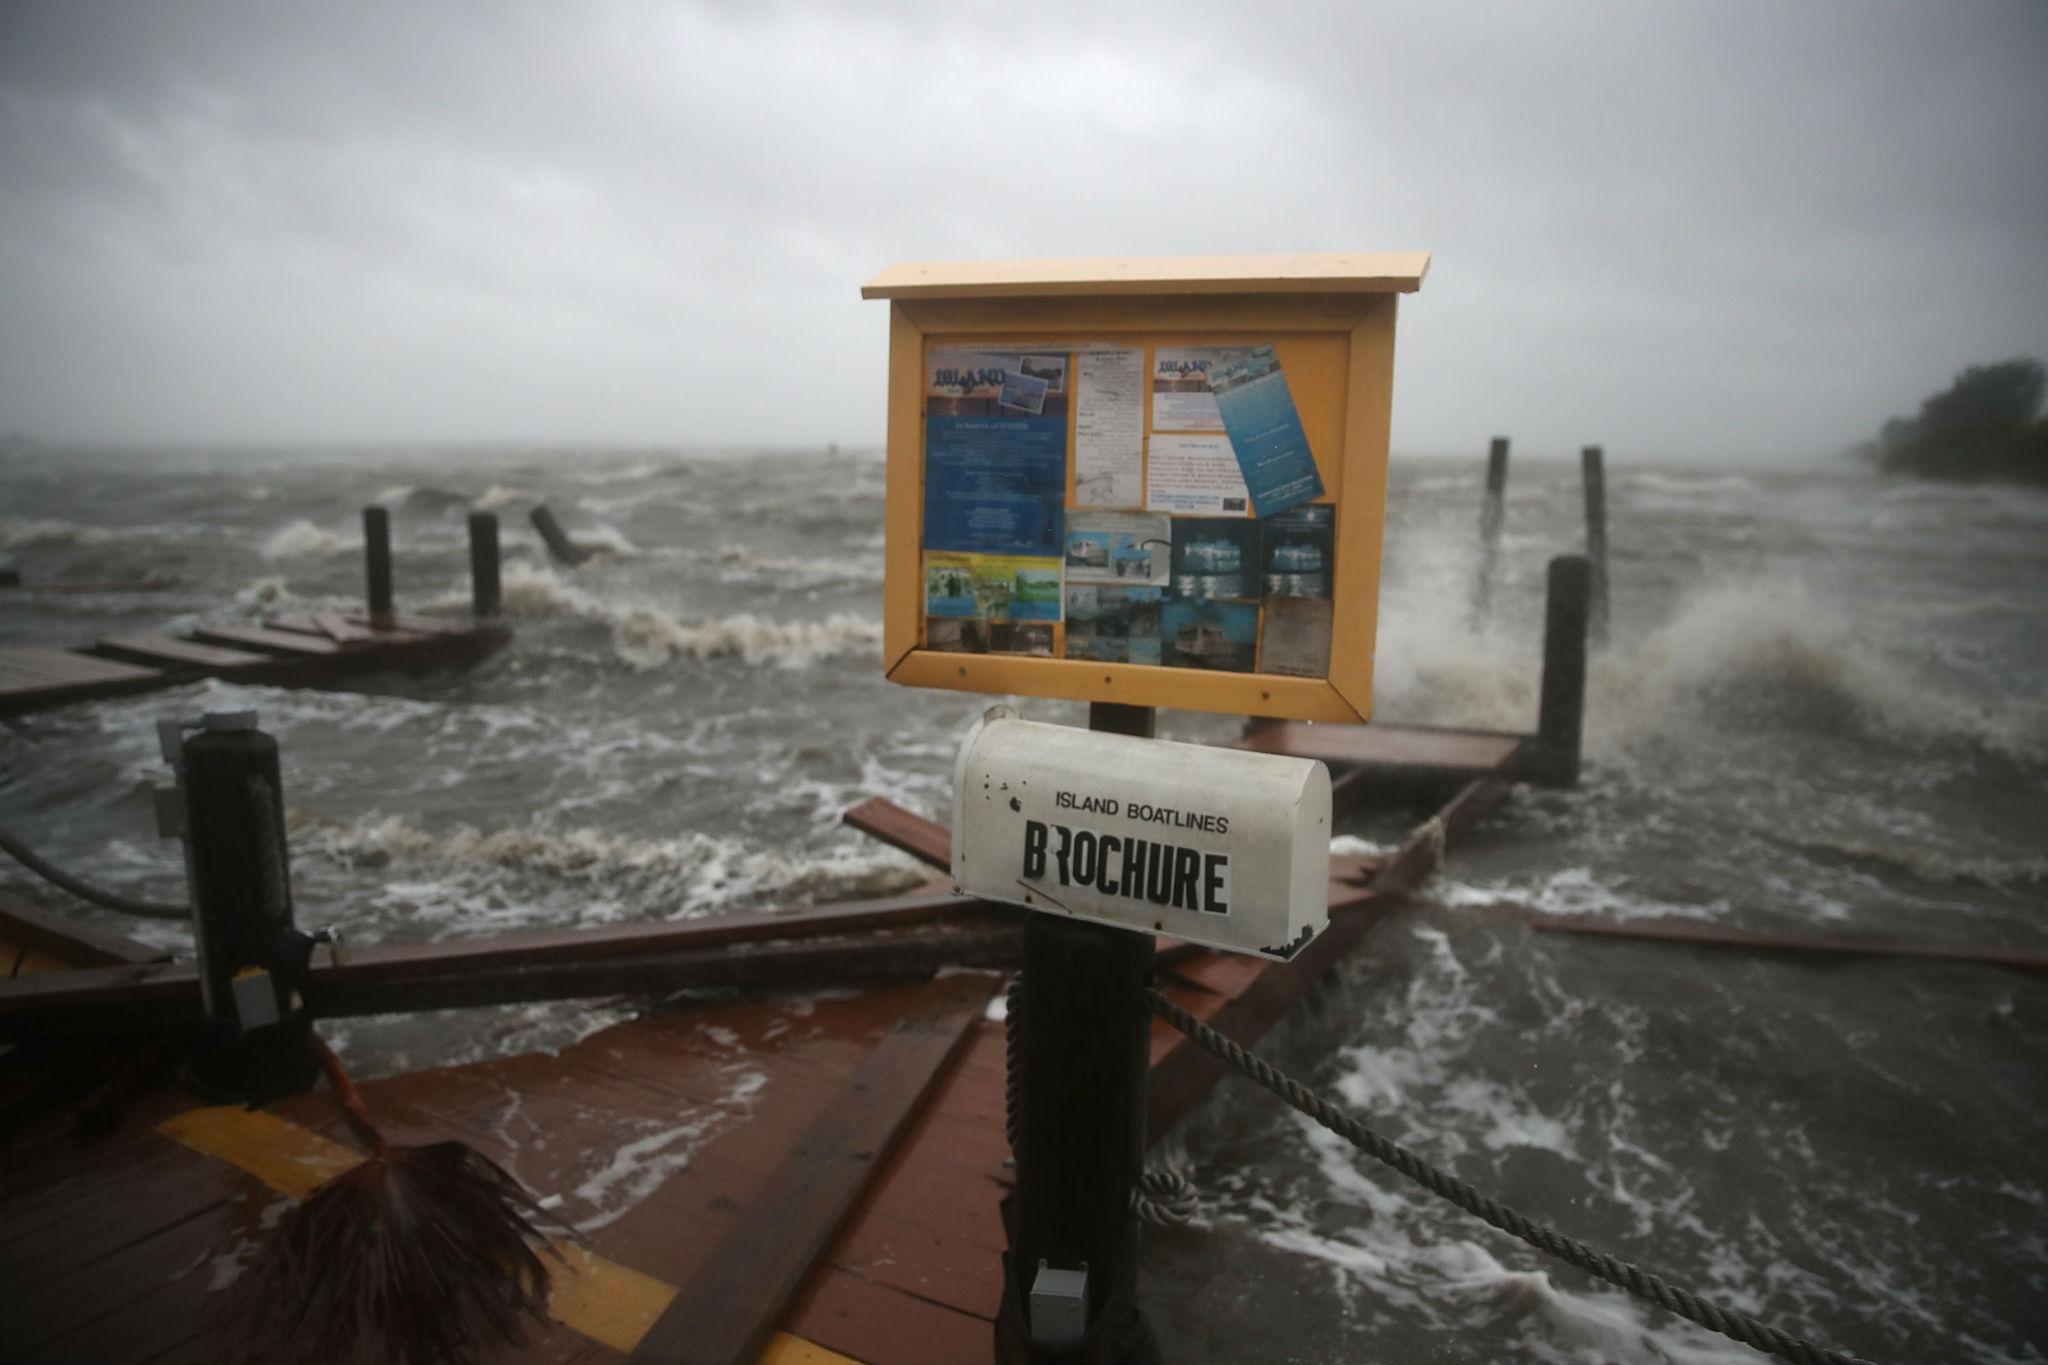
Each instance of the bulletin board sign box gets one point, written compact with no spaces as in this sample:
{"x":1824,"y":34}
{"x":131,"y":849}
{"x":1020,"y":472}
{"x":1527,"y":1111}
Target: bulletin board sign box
{"x":1152,"y":482}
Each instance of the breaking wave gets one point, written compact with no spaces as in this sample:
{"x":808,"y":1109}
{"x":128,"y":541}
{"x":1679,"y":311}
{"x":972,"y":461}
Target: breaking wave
{"x":31,"y":533}
{"x":647,"y":637}
{"x":737,"y":563}
{"x":301,"y":539}
{"x":498,"y":496}
{"x":1777,"y":652}
{"x":632,"y":878}
{"x":1733,"y":653}
{"x":604,"y":540}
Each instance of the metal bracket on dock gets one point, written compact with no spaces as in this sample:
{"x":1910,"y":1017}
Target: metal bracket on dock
{"x":1059,"y":1305}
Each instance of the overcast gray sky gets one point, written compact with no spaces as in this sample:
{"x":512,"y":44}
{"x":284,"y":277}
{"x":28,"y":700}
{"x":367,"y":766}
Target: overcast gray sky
{"x":1727,"y":230}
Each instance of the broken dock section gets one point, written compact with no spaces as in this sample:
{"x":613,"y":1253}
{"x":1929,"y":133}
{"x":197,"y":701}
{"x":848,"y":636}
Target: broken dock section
{"x":315,"y":650}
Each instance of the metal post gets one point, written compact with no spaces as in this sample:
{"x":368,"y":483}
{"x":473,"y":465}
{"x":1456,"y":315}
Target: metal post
{"x":377,"y":562}
{"x":1081,"y":1133}
{"x":256,"y":1039}
{"x":484,"y":593}
{"x":1491,"y":513}
{"x":1561,"y":712}
{"x":1593,"y":464}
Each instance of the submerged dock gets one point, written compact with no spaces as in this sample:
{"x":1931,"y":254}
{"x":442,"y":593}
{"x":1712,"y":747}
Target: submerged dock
{"x":313,"y":650}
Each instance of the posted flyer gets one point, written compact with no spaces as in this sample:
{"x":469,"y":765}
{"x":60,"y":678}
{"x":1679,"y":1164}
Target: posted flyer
{"x":1296,"y":640}
{"x":1109,"y":429}
{"x":1215,"y":557}
{"x":1052,"y":368}
{"x":1181,"y":397}
{"x":1113,"y":624}
{"x":1250,"y":391}
{"x":995,"y":485}
{"x":1196,"y":474}
{"x":1022,"y":393}
{"x":1118,"y":547}
{"x":959,"y":382}
{"x":1213,"y":635}
{"x":948,"y":583}
{"x":1300,"y":551}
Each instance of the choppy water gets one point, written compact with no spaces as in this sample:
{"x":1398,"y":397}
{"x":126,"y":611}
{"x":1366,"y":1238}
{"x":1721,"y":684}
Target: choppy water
{"x":1823,"y":708}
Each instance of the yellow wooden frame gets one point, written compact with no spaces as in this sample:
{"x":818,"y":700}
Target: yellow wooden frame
{"x":1299,"y":301}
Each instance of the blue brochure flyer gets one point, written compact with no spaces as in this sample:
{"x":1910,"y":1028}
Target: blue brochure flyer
{"x":996,"y":485}
{"x":1265,"y":430}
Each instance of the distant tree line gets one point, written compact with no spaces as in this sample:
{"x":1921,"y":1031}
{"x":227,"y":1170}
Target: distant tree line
{"x":1986,"y":425}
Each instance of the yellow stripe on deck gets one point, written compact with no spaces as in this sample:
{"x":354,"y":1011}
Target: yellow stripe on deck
{"x":290,"y":1159}
{"x":610,"y":1303}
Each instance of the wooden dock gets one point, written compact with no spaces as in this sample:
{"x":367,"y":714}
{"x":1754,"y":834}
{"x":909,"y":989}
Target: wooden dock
{"x":808,"y":1180}
{"x":314,"y":650}
{"x":284,"y":652}
{"x":109,"y":1247}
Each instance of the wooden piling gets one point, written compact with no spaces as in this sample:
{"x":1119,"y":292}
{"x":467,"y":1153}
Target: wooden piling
{"x":560,"y":546}
{"x":1491,"y":513}
{"x":1560,"y":724}
{"x":1085,"y":1039}
{"x":240,"y":879}
{"x":1593,"y":465}
{"x":377,"y":562}
{"x":485,"y":595}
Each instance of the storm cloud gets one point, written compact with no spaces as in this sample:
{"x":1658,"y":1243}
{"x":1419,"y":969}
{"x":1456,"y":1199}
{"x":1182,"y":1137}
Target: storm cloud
{"x":1730,"y":231}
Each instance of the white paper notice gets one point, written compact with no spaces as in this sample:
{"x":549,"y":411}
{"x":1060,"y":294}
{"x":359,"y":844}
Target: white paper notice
{"x":1296,"y":640}
{"x":1109,"y":429}
{"x":1195,"y":474}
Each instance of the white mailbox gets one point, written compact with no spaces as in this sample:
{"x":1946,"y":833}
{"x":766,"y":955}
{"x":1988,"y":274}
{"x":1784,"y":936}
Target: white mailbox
{"x":1216,"y":846}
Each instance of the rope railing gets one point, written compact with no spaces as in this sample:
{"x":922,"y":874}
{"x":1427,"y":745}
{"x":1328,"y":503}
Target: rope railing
{"x":1641,"y":1283}
{"x":84,"y":890}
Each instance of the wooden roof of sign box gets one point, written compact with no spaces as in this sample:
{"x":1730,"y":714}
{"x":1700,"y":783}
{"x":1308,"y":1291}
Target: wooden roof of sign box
{"x":1328,"y":272}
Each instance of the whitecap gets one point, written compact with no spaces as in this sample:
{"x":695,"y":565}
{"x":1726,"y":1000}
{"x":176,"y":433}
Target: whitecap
{"x":300,"y":539}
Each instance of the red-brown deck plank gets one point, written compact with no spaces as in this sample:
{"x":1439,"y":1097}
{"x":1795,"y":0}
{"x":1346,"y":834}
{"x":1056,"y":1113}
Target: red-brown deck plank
{"x":61,"y":936}
{"x":880,"y":818}
{"x":41,"y":663}
{"x":1409,"y":748}
{"x":728,"y":1310}
{"x":33,"y":676}
{"x":162,"y":1297}
{"x":169,"y":652}
{"x":401,"y":625}
{"x":286,"y":642}
{"x":327,"y":626}
{"x":872,"y":1322}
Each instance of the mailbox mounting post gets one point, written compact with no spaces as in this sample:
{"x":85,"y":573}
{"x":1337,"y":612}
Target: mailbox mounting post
{"x":1081,"y":1130}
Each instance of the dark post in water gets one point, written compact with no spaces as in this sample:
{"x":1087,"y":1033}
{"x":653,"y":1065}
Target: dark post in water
{"x":377,"y":562}
{"x":1086,"y":1035}
{"x":1491,"y":514}
{"x":485,"y":595}
{"x":256,"y":1039}
{"x":1593,"y":463}
{"x":559,"y":545}
{"x":1561,"y":713}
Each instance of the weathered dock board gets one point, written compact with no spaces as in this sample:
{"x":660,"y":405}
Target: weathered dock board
{"x":33,"y":676}
{"x":903,"y":1263}
{"x":284,"y":653}
{"x":313,"y":650}
{"x":1408,"y":750}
